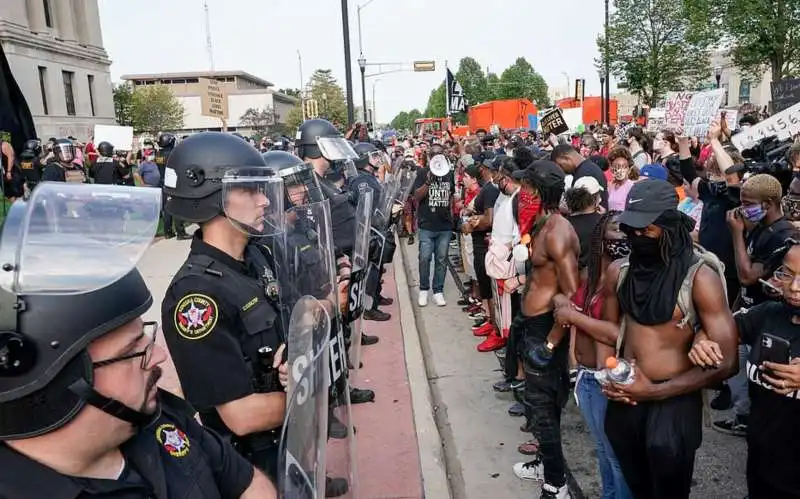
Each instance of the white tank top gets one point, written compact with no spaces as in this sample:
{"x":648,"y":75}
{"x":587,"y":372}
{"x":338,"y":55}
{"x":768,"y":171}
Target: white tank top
{"x":504,"y":226}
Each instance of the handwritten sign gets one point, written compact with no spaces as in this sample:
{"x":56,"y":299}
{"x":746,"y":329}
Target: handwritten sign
{"x":785,"y":93}
{"x":553,"y":122}
{"x":690,"y":113}
{"x":731,"y":117}
{"x":656,"y":119}
{"x":782,"y":125}
{"x":213,"y":99}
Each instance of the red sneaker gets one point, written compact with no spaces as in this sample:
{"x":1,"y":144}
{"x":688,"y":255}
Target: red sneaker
{"x":491,"y":343}
{"x":471,"y":309}
{"x":484,"y":329}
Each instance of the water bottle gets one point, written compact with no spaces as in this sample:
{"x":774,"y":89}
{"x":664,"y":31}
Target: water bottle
{"x":618,"y":371}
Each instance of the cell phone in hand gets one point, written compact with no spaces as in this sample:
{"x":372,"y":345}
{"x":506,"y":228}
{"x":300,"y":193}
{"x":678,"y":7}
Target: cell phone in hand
{"x":773,"y":349}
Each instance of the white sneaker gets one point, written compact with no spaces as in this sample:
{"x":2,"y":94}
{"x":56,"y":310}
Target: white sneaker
{"x":531,"y":470}
{"x":553,"y":492}
{"x":438,"y":299}
{"x":422,"y":300}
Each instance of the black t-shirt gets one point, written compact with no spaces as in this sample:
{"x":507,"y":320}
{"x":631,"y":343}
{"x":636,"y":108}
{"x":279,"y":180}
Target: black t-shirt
{"x":162,"y":156}
{"x":761,"y":245}
{"x":584,"y":224}
{"x":54,"y":172}
{"x":773,"y":430}
{"x":484,"y":201}
{"x":589,"y":168}
{"x":173,"y":457}
{"x":434,"y":212}
{"x":714,"y":233}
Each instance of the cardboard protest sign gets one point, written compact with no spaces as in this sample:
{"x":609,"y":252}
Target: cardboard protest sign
{"x":782,"y":125}
{"x":553,"y":122}
{"x":690,"y":113}
{"x":121,"y":137}
{"x":731,"y":117}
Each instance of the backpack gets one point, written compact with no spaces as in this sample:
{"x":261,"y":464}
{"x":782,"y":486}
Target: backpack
{"x":685,"y":302}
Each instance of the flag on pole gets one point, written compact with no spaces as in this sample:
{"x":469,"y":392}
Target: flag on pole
{"x":457,"y":101}
{"x":16,"y":122}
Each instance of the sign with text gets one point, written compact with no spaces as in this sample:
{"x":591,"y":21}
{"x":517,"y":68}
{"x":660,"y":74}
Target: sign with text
{"x":785,"y":93}
{"x":213,"y":99}
{"x":782,"y":125}
{"x":553,"y":122}
{"x":656,"y":119}
{"x":690,"y":113}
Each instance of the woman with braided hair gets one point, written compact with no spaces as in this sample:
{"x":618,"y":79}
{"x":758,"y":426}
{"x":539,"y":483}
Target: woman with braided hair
{"x":594,"y":342}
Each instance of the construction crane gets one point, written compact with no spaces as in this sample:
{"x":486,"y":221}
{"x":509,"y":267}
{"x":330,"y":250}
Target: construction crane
{"x":209,"y":45}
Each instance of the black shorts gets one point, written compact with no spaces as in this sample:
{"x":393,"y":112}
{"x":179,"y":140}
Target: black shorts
{"x":484,"y":281}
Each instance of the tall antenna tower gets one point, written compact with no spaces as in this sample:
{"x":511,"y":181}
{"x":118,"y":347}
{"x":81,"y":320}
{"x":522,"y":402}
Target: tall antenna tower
{"x":209,"y":45}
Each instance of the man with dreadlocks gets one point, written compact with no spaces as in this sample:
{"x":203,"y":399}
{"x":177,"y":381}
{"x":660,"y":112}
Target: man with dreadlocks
{"x":659,"y":297}
{"x":553,"y":269}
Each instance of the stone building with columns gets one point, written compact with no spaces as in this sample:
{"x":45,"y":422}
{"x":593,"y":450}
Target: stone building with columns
{"x":55,"y":50}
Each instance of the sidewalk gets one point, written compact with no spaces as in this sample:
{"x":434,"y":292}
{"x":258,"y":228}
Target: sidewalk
{"x":387,"y":435}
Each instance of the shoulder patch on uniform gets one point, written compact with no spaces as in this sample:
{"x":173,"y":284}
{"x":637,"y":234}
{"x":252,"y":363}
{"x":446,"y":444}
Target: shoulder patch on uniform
{"x":196,"y":316}
{"x":174,"y":441}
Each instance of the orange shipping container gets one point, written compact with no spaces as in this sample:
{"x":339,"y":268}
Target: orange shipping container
{"x":592,"y":109}
{"x":511,"y":113}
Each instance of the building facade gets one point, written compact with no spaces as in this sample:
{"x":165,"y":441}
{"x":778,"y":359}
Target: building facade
{"x":740,"y":90}
{"x":55,"y":51}
{"x":244,"y":91}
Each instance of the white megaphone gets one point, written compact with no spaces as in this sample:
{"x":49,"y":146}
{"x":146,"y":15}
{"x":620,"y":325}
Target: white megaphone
{"x":439,"y":165}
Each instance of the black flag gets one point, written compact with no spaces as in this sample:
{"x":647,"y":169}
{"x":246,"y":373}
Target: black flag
{"x":455,"y":95}
{"x":15,"y":116}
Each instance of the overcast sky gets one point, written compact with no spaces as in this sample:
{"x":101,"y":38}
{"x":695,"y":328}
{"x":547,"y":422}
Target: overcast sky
{"x":263,"y":37}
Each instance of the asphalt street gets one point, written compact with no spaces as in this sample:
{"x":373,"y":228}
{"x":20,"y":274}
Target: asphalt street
{"x":480,"y":439}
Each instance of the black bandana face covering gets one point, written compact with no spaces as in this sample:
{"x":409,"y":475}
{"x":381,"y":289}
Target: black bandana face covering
{"x":649,"y":293}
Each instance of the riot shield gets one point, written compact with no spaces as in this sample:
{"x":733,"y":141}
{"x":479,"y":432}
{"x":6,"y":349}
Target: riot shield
{"x":302,"y":452}
{"x":358,"y":278}
{"x":385,"y":203}
{"x":307,"y":269}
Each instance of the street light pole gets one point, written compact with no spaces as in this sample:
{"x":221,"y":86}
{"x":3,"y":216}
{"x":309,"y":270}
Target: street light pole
{"x":602,"y":95}
{"x":348,"y":72}
{"x":607,"y":114}
{"x":302,"y":84}
{"x":374,"y":112}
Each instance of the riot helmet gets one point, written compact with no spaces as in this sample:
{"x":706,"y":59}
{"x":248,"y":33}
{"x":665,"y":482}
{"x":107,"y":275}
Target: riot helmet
{"x":318,"y":138}
{"x":52,"y":311}
{"x":166,"y":141}
{"x":64,"y":151}
{"x":368,"y":155}
{"x":214,"y":173}
{"x":280,"y":144}
{"x":34,"y":146}
{"x":299,"y":181}
{"x":105,"y":149}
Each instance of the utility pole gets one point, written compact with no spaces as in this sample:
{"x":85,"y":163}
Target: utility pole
{"x":347,"y":69}
{"x":209,"y":45}
{"x":607,"y":117}
{"x":302,"y":84}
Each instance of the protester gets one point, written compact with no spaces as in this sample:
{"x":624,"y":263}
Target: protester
{"x":566,"y":157}
{"x":624,"y":173}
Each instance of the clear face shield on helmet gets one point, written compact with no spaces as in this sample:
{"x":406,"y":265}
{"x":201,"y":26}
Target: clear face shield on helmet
{"x":76,"y":238}
{"x":336,"y":149}
{"x":301,"y":186}
{"x":252,"y":200}
{"x":64,"y":151}
{"x":346,"y":167}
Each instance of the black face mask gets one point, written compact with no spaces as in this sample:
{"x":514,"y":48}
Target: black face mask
{"x":645,"y":250}
{"x":717,"y":188}
{"x":616,"y":248}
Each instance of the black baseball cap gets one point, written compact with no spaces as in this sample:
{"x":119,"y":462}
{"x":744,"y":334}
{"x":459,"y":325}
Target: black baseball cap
{"x":647,"y":200}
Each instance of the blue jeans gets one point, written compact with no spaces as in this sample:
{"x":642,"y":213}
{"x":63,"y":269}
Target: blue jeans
{"x":592,"y":404}
{"x":739,"y":385}
{"x":432,"y":243}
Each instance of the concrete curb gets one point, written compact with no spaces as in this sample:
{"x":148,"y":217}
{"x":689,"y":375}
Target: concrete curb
{"x":431,"y":454}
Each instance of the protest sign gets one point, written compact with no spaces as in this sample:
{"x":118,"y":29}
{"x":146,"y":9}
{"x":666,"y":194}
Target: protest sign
{"x":690,"y":113}
{"x":656,"y":119}
{"x":121,"y":137}
{"x":782,"y":125}
{"x":553,"y":122}
{"x":785,"y":93}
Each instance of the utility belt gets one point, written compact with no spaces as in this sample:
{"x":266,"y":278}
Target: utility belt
{"x":250,"y":446}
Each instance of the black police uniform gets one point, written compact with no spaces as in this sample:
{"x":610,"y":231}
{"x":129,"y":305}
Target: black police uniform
{"x":173,"y":458}
{"x":162,"y":156}
{"x":363,"y":181}
{"x":105,"y":171}
{"x":31,"y":167}
{"x":217,"y":313}
{"x":54,"y":172}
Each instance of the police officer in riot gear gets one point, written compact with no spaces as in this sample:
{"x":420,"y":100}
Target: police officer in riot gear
{"x":82,"y":414}
{"x":61,"y":168}
{"x":221,"y":312}
{"x":281,"y":144}
{"x":172,"y":226}
{"x":106,"y":169}
{"x":31,"y":164}
{"x":370,"y":159}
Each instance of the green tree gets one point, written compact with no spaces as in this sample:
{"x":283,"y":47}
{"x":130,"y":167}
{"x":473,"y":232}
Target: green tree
{"x":294,"y":119}
{"x":519,"y":81}
{"x":655,"y":47}
{"x":329,"y":95}
{"x":761,"y":34}
{"x":473,"y":81}
{"x":437,"y":107}
{"x":123,"y":103}
{"x":400,"y":122}
{"x":492,"y":86}
{"x":260,"y":120}
{"x":155,"y":109}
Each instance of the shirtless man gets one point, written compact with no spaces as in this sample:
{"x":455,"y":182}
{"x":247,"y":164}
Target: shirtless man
{"x":554,"y":270}
{"x":654,"y":424}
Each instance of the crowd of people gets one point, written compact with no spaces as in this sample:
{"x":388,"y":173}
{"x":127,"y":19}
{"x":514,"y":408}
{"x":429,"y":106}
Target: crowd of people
{"x":671,"y":252}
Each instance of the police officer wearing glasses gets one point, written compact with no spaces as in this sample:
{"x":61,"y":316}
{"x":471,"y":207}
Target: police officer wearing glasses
{"x":81,"y":414}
